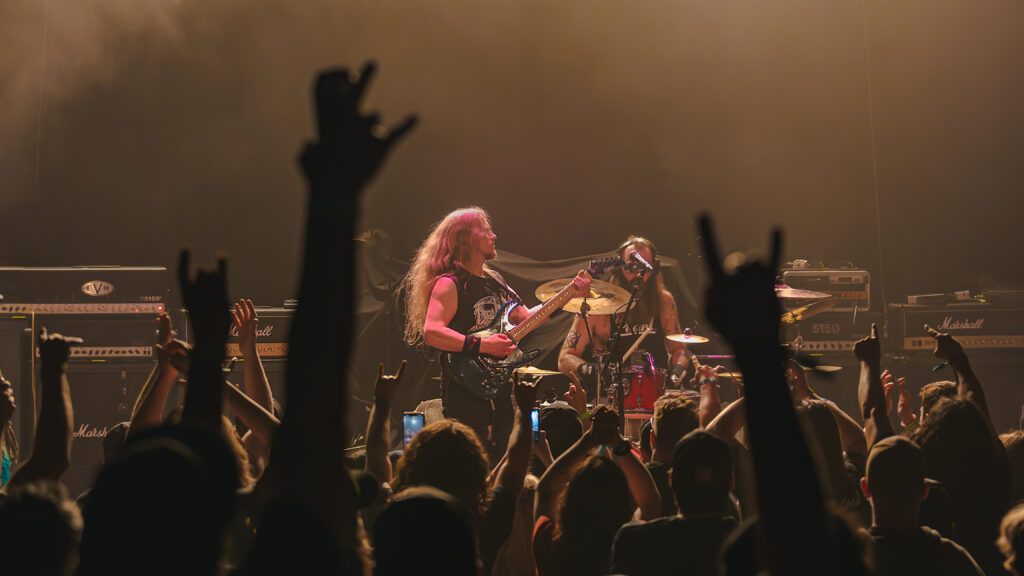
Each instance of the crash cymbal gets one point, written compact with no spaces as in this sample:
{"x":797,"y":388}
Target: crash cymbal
{"x":789,"y":293}
{"x":534,"y":371}
{"x":821,"y":368}
{"x":805,"y":312}
{"x":605,"y":297}
{"x":686,"y":337}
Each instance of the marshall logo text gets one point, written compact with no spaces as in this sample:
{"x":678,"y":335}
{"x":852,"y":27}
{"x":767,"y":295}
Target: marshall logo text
{"x":260,"y":332}
{"x":87,"y":431}
{"x":948,"y":324}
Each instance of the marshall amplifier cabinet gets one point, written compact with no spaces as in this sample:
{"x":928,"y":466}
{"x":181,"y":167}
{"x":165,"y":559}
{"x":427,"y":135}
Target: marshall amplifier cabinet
{"x":271,"y":342}
{"x":977,"y":326}
{"x":852,"y":287}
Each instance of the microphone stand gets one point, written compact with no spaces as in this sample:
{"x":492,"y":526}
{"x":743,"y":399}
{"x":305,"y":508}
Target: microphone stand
{"x":613,"y":349}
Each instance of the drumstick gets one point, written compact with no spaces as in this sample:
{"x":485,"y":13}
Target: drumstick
{"x":632,"y":348}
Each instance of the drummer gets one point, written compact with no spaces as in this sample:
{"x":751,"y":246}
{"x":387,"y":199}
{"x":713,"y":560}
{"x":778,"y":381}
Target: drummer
{"x":651,"y":319}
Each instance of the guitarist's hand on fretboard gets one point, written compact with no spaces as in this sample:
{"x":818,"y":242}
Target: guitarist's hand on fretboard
{"x":582,"y":284}
{"x":498,"y":345}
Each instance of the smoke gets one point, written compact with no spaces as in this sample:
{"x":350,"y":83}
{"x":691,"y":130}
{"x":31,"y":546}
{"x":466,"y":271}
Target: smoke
{"x":54,"y":50}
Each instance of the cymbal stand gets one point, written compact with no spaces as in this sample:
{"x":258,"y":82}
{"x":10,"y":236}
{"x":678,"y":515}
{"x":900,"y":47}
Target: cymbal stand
{"x":613,"y":349}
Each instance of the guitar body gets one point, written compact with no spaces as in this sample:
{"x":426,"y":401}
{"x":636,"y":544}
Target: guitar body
{"x":486,"y":376}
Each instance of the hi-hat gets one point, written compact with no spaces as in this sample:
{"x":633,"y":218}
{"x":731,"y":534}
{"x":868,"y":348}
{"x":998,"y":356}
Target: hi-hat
{"x":789,"y":293}
{"x":534,"y":371}
{"x":822,"y":368}
{"x":605,"y":297}
{"x":805,"y":312}
{"x":686,"y":337}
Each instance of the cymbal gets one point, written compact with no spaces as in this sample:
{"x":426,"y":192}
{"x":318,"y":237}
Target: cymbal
{"x":605,"y":297}
{"x":789,"y":293}
{"x":821,"y":368}
{"x":686,"y":337}
{"x":534,"y":371}
{"x":805,"y":312}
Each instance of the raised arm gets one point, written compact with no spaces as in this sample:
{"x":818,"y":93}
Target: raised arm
{"x":51,"y":452}
{"x":873,"y":408}
{"x":742,"y":305}
{"x":257,"y":386}
{"x":851,"y":435}
{"x":729,"y":421}
{"x":968,"y":385}
{"x":149,"y":407}
{"x":520,"y":443}
{"x":556,"y":477}
{"x":206,"y":299}
{"x":706,"y":377}
{"x":378,"y":429}
{"x":261,"y":423}
{"x":641,"y":483}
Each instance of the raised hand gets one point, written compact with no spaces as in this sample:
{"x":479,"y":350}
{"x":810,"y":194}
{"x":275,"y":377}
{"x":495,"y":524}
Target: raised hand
{"x":55,"y":350}
{"x":887,"y":384}
{"x":246,"y":321}
{"x":798,"y":380}
{"x":206,"y":298}
{"x":742,"y":305}
{"x":576,"y":397}
{"x":904,"y":405}
{"x":385,"y":389}
{"x":353,"y":145}
{"x":605,"y":430}
{"x":525,"y":393}
{"x":946,"y":347}
{"x":702,"y":372}
{"x":869,"y":349}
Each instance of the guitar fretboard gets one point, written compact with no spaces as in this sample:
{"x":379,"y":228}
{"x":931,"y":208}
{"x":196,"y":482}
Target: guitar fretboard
{"x":556,"y":302}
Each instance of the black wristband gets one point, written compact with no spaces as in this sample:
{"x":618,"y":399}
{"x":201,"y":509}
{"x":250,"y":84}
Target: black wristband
{"x":471,"y":345}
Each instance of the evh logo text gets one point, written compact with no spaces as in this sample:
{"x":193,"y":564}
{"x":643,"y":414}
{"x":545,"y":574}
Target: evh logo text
{"x":97,"y":288}
{"x":261,"y":332}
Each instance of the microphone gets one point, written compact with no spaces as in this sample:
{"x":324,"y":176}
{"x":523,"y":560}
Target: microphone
{"x":636,"y":257}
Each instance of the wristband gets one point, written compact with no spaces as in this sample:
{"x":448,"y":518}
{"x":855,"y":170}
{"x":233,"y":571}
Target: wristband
{"x":586,"y":415}
{"x":704,"y":381}
{"x":585,"y":369}
{"x":471,"y":345}
{"x":910,"y":427}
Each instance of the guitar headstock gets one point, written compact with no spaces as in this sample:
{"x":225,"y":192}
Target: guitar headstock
{"x":601,"y":265}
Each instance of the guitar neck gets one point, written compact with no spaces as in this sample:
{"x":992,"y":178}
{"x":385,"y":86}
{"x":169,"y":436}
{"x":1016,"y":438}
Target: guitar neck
{"x":555,"y":303}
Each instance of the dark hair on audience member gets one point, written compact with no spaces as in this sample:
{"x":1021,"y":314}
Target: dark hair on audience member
{"x":823,"y":436}
{"x":425,"y":531}
{"x":702,"y":473}
{"x":562,"y":428}
{"x":446,"y":455}
{"x":1011,"y":539}
{"x":595,"y":505}
{"x":1014,"y":444}
{"x":963,"y":452}
{"x":935,"y":391}
{"x":39,"y":528}
{"x":645,"y":440}
{"x":115,"y":440}
{"x":675,"y":416}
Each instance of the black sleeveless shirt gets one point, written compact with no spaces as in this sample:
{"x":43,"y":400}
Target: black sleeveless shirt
{"x":654,"y":343}
{"x":480,"y":299}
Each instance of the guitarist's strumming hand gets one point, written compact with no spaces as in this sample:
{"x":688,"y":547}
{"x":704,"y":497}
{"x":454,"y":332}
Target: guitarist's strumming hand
{"x":498,"y":345}
{"x":582,"y":284}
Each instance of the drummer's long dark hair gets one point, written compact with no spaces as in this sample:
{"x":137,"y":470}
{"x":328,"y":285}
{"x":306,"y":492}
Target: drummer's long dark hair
{"x":649,"y":300}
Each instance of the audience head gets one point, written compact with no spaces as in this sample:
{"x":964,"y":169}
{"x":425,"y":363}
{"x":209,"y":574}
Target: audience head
{"x":146,"y":502}
{"x":446,"y":455}
{"x":1011,"y":539}
{"x":932,"y":393}
{"x":425,"y":531}
{"x":39,"y":528}
{"x":894,"y":478}
{"x":562,"y":427}
{"x":596,"y":504}
{"x":675,"y":416}
{"x":646,"y":447}
{"x":823,"y":437}
{"x":1013,"y":442}
{"x":702,"y":474}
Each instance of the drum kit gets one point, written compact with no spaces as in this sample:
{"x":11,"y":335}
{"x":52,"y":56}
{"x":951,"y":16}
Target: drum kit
{"x":634,"y":384}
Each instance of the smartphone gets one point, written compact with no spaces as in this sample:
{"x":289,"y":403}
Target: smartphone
{"x":412,"y":423}
{"x":535,"y":422}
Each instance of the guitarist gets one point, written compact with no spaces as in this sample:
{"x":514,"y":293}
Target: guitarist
{"x":654,"y":312}
{"x":450,"y":293}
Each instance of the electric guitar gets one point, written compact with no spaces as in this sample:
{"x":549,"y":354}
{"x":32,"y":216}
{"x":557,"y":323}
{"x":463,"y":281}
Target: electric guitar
{"x":486,"y":376}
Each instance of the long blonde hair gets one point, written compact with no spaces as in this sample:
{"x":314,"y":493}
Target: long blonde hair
{"x":441,"y":253}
